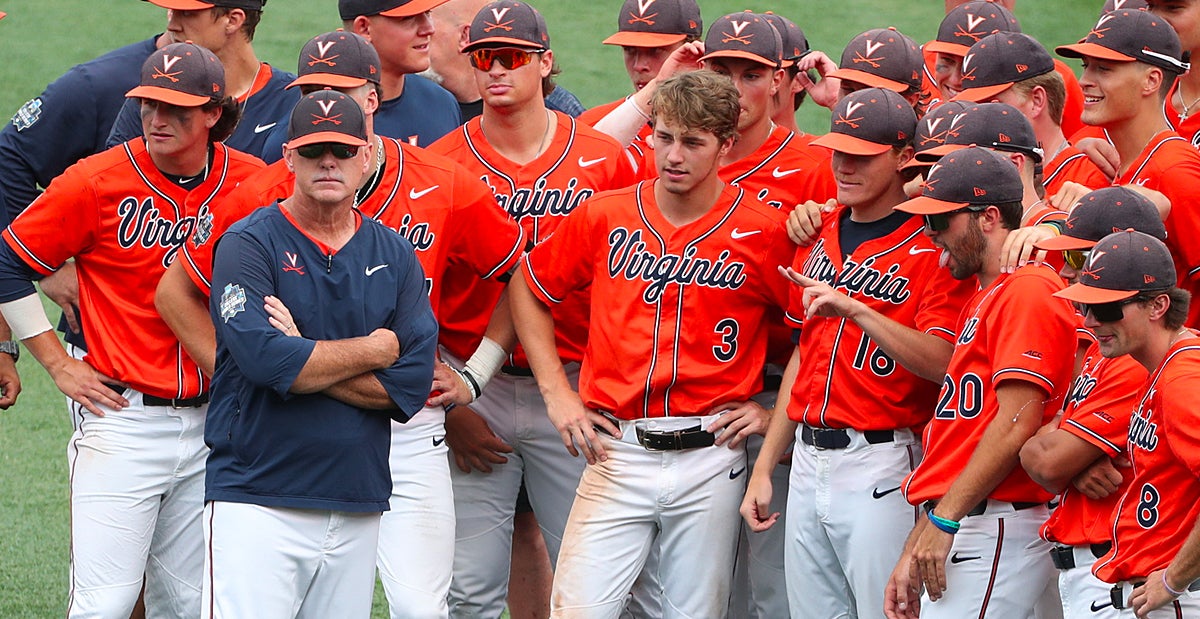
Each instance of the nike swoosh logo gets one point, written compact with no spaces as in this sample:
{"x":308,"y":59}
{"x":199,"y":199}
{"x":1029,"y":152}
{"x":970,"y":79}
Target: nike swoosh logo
{"x":261,"y":128}
{"x":413,"y":194}
{"x":736,"y":473}
{"x":437,"y":442}
{"x":957,"y":559}
{"x":777,"y":173}
{"x":914,"y":250}
{"x":1101,"y":607}
{"x":587,"y":163}
{"x":879,"y":495}
{"x":371,"y":270}
{"x":737,"y":234}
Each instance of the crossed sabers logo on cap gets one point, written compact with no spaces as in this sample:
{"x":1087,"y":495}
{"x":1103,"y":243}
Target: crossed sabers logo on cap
{"x":931,"y":125}
{"x":738,"y":27}
{"x":969,"y":32}
{"x":323,"y":48}
{"x":1092,"y":270}
{"x":641,"y":17}
{"x":327,"y":107}
{"x":850,"y":109}
{"x":930,"y":184}
{"x":870,"y":58}
{"x":968,"y":73}
{"x":499,"y":23}
{"x":168,"y":62}
{"x":1097,"y":31}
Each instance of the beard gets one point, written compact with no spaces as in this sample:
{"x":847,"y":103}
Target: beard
{"x":969,"y":253}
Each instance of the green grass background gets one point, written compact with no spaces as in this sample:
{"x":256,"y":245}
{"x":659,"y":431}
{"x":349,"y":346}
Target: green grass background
{"x":43,"y":38}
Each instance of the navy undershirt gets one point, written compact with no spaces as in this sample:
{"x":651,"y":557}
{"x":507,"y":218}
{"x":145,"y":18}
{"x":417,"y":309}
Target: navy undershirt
{"x":851,"y":233}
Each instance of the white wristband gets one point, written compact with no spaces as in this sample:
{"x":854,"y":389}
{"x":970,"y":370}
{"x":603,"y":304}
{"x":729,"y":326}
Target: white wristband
{"x":486,"y":361}
{"x":26,"y":317}
{"x":624,"y":122}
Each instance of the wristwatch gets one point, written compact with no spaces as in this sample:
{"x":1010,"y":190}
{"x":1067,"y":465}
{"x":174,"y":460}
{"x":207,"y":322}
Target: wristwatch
{"x":10,"y":347}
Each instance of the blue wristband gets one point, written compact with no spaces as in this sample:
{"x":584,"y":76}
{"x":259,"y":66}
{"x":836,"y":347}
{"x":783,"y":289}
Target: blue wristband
{"x":944,"y":525}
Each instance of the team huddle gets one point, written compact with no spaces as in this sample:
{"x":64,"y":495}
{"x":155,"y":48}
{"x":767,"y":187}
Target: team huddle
{"x":414,"y":314}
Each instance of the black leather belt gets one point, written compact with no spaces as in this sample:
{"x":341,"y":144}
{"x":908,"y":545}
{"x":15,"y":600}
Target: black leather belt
{"x":150,"y":400}
{"x":516,"y":370}
{"x":980,"y":508}
{"x":839,"y":438}
{"x":1115,"y":594}
{"x":689,"y":438}
{"x":1064,"y":556}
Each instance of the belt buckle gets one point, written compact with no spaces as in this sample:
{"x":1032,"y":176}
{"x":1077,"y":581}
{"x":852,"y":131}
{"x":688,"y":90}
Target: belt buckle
{"x":1114,"y":596}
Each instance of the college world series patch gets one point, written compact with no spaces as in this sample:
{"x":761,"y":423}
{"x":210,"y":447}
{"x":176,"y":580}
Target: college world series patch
{"x":29,"y":114}
{"x":233,"y":301}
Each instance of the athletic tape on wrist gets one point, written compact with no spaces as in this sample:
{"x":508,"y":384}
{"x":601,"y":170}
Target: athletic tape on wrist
{"x":487,"y":360}
{"x":624,"y":122}
{"x":26,"y":317}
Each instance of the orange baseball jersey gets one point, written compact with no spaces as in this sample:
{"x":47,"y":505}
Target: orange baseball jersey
{"x":1162,"y":503}
{"x":678,"y":323}
{"x":784,"y":172}
{"x":1171,"y":165}
{"x":1070,"y":164}
{"x":641,"y":150}
{"x":1011,"y":330}
{"x":1098,"y":406}
{"x":124,"y":222}
{"x":450,"y":217}
{"x":845,"y":379}
{"x":1072,"y":107}
{"x":579,"y":163}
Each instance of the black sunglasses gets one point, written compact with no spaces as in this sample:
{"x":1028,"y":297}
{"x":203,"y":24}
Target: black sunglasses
{"x":941,"y":221}
{"x":316,"y":151}
{"x":1113,"y":311}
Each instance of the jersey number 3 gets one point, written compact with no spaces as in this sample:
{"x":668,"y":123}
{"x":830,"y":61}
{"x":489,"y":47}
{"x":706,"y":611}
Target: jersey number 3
{"x":727,"y":329}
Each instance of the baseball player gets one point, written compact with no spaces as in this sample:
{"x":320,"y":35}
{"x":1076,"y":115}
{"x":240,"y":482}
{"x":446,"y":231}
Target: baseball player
{"x":791,"y":94}
{"x":845,"y":521}
{"x":965,"y":24}
{"x":412,"y":109}
{"x":299,"y":424}
{"x":227,"y":28}
{"x":450,"y":218}
{"x":877,"y":58}
{"x":540,"y":165}
{"x":1134,"y":309}
{"x":977,"y":551}
{"x":682,"y":270}
{"x":136,"y":458}
{"x":451,"y":69}
{"x":1094,"y":423}
{"x":1013,"y":68}
{"x":1127,"y":47}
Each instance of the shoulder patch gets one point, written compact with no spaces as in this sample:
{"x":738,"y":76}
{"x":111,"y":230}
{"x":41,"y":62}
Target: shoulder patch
{"x":28,"y":115}
{"x":233,"y":301}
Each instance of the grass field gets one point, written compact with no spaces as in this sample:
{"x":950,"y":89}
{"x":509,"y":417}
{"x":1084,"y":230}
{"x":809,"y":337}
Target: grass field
{"x":45,"y":37}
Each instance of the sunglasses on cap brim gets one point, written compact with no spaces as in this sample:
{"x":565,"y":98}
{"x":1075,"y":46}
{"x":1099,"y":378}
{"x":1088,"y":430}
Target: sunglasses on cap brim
{"x":510,"y":58}
{"x":316,"y":151}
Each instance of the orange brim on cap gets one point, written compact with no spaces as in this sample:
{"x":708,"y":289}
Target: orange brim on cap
{"x":982,"y":94}
{"x":331,"y":80}
{"x":870,"y":79}
{"x":916,"y":163}
{"x":850,"y":145}
{"x":924,"y":205}
{"x":937,"y":152}
{"x":729,"y":53}
{"x":416,"y":7}
{"x":325,"y":137}
{"x":1064,"y":243}
{"x":1080,"y":293}
{"x":644,"y":39}
{"x":182,"y":5}
{"x":166,"y":95}
{"x":1092,"y":50}
{"x":942,"y":47}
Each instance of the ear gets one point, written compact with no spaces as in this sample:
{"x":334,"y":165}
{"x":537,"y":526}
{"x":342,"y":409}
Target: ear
{"x":1037,"y":101}
{"x":777,"y":81}
{"x":1159,"y":307}
{"x":368,"y":155}
{"x":547,"y":64}
{"x":371,"y":105}
{"x":906,"y":155}
{"x":362,"y":27}
{"x":212,"y":116}
{"x":464,"y":35}
{"x":288,"y":155}
{"x":1152,"y":81}
{"x":234,"y":20}
{"x":727,"y":145}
